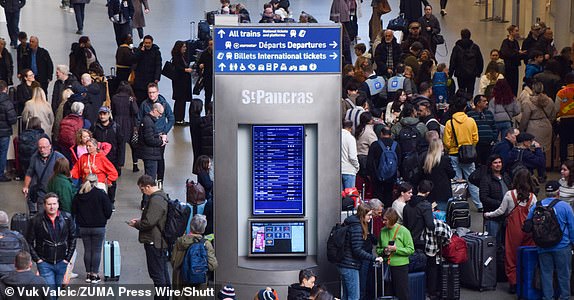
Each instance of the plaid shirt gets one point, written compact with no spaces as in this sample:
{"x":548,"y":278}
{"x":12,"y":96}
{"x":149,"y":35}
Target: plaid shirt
{"x":435,"y":239}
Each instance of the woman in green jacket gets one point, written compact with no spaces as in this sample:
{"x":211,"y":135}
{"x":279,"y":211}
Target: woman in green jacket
{"x":62,"y":185}
{"x":396,"y":245}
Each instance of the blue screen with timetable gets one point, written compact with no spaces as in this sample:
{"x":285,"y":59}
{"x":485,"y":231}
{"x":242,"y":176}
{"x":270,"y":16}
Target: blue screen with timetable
{"x":278,"y":169}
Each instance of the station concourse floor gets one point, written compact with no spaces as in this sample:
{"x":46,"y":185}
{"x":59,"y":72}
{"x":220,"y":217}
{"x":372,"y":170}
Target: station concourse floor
{"x":169,"y":21}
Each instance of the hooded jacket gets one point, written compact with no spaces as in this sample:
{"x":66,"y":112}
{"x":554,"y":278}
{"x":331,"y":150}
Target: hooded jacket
{"x":417,"y":215}
{"x":465,"y":129}
{"x":179,"y":251}
{"x":97,"y":164}
{"x":298,"y":292}
{"x":25,"y":279}
{"x":460,"y":66}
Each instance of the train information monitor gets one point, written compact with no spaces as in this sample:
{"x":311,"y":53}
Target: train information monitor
{"x":278,"y":169}
{"x":278,"y":238}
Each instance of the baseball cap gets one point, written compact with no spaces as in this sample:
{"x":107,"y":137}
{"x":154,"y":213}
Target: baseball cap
{"x":552,"y":186}
{"x":104,"y":109}
{"x":523,"y":137}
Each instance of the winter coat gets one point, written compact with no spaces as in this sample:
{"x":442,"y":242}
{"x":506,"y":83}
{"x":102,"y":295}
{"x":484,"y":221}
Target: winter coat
{"x":152,"y":222}
{"x":47,"y":247}
{"x":181,"y":83}
{"x":27,"y":280}
{"x":396,"y":129}
{"x":148,"y":68}
{"x":123,"y":9}
{"x":412,"y":9}
{"x":165,"y":123}
{"x":95,"y":98}
{"x":96,"y":164}
{"x":460,"y":66}
{"x":530,"y":159}
{"x":432,"y":22}
{"x":466,"y":132}
{"x":41,"y":110}
{"x":125,"y":110}
{"x":504,"y":113}
{"x":417,"y":215}
{"x":44,"y":63}
{"x":206,"y":133}
{"x":28,"y":144}
{"x":23,"y":94}
{"x":340,"y":11}
{"x":8,"y":116}
{"x":179,"y":251}
{"x":374,"y":156}
{"x":490,"y":191}
{"x":92,"y":209}
{"x":381,"y":54}
{"x":538,"y":113}
{"x":354,"y":253}
{"x":138,"y":20}
{"x":440,"y":176}
{"x":78,"y":60}
{"x":12,"y":6}
{"x":6,"y":67}
{"x":365,"y":140}
{"x":151,"y":147}
{"x":503,"y":149}
{"x":205,"y":181}
{"x":552,"y":82}
{"x":298,"y":292}
{"x":509,"y":52}
{"x":64,"y":188}
{"x":111,"y":134}
{"x":59,"y":87}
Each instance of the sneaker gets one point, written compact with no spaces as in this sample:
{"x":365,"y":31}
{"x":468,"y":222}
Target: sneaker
{"x":136,"y":169}
{"x":71,"y":10}
{"x":89,"y":278}
{"x":113,"y":207}
{"x":79,"y":32}
{"x":443,"y":12}
{"x":96,"y":279}
{"x":73,"y":275}
{"x":4,"y":179}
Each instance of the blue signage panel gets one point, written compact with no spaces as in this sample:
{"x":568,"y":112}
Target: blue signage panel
{"x":278,"y":169}
{"x":277,"y":50}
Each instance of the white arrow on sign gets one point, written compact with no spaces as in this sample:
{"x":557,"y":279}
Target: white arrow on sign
{"x":333,"y":44}
{"x":333,"y":56}
{"x":221,"y":33}
{"x":221,"y":66}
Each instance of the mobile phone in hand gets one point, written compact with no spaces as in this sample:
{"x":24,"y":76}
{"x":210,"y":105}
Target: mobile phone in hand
{"x":391,"y":243}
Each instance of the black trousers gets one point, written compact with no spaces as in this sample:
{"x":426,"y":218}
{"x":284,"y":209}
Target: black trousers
{"x":179,"y":110}
{"x":384,"y":191}
{"x":79,"y":12}
{"x":432,"y":274}
{"x":511,"y":75}
{"x":466,"y":83}
{"x":483,"y":152}
{"x":443,"y":4}
{"x":566,"y":136}
{"x":400,"y":279}
{"x":121,"y":31}
{"x":157,"y":267}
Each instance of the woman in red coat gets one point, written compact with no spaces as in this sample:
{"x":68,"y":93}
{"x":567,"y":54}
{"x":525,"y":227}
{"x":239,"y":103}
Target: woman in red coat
{"x":95,"y":162}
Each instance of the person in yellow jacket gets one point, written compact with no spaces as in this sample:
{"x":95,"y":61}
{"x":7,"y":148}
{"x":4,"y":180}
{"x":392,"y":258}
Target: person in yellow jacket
{"x":466,"y":134}
{"x":565,"y":107}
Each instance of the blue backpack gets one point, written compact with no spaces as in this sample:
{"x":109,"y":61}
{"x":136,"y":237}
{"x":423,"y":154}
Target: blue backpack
{"x":194,"y":268}
{"x":388,"y":162}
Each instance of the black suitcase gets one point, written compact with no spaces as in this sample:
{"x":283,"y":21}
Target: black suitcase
{"x":450,"y":281}
{"x":194,"y":45}
{"x":19,"y":223}
{"x":113,"y":82}
{"x":203,"y":31}
{"x":458,"y":214}
{"x":479,"y":272}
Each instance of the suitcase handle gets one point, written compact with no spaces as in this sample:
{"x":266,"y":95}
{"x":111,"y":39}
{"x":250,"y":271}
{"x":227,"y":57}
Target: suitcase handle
{"x":192,"y":31}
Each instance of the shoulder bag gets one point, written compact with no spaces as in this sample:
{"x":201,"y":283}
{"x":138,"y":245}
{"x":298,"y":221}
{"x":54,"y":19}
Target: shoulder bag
{"x":168,"y":70}
{"x":466,"y":153}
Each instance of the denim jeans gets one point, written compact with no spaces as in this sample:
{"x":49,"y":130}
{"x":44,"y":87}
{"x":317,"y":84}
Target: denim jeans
{"x":53,"y":273}
{"x":150,"y":167}
{"x":79,"y":12}
{"x":501,"y":127}
{"x":466,"y":170}
{"x":350,"y":281}
{"x":157,"y":267}
{"x":348,"y":180}
{"x":12,"y":21}
{"x":559,"y":261}
{"x":365,"y":277}
{"x":4,"y":144}
{"x":93,"y":239}
{"x":496,"y":229}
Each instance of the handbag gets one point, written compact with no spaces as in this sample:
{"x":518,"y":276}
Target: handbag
{"x":198,"y":86}
{"x":466,"y":153}
{"x":383,"y":7}
{"x":194,"y":193}
{"x":134,"y":140}
{"x":438,"y":39}
{"x":417,"y":261}
{"x":398,"y":23}
{"x":168,"y":70}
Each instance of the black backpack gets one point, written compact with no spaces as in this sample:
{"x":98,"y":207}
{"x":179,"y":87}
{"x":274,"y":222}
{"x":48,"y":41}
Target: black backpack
{"x":468,"y":63}
{"x":517,"y":164}
{"x":336,"y":243}
{"x":178,"y":214}
{"x":544,"y":226}
{"x":408,"y":138}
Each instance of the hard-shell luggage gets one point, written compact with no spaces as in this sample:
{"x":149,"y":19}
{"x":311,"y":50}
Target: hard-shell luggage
{"x":203,"y":31}
{"x":525,"y":268}
{"x":194,"y":45}
{"x":458,"y":214}
{"x":417,"y":286}
{"x":112,"y":261}
{"x":450,"y":281}
{"x":381,"y":295}
{"x":19,"y":222}
{"x":479,"y":272}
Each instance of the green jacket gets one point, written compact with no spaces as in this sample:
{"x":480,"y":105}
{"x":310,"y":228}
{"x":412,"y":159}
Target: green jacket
{"x":179,"y":251}
{"x":63,"y":187}
{"x":404,"y":243}
{"x":152,"y":222}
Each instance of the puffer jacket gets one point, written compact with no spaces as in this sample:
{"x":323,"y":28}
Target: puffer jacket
{"x":465,"y":129}
{"x":148,"y":68}
{"x":491,"y":192}
{"x":43,"y":246}
{"x":298,"y":292}
{"x":503,"y":113}
{"x":151,"y":146}
{"x":354,"y":250}
{"x":417,"y":215}
{"x":8,"y":116}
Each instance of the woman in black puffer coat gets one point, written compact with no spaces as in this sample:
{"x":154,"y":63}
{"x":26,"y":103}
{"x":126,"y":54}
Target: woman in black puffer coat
{"x":493,"y":186}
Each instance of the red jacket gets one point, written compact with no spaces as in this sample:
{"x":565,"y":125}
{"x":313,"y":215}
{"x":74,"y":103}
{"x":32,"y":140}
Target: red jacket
{"x":104,"y":147}
{"x":97,"y":164}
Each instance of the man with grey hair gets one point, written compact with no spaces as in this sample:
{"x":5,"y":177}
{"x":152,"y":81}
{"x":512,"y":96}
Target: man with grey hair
{"x":40,"y":62}
{"x":11,"y":242}
{"x":95,"y":98}
{"x":64,"y":80}
{"x":153,"y":140}
{"x":197,"y":227}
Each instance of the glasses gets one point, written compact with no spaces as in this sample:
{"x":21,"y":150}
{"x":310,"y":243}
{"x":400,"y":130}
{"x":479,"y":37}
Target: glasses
{"x":30,"y":75}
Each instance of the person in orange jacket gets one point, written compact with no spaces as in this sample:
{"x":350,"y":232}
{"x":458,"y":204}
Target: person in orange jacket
{"x":95,"y":162}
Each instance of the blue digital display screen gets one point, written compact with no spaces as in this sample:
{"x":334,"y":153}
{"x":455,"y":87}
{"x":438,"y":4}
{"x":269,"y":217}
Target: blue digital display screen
{"x":278,"y":170}
{"x":273,"y":238}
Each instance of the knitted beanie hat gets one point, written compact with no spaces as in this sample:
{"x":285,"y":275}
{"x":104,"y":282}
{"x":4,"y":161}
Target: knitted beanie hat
{"x":227,"y":292}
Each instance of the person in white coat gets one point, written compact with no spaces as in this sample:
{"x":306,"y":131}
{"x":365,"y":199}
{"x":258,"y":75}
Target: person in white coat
{"x":349,"y":159}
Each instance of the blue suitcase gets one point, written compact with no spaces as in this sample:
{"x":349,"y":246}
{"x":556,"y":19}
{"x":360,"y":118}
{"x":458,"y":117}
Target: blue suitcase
{"x":112,"y":261}
{"x":526,"y":264}
{"x":417,"y":286}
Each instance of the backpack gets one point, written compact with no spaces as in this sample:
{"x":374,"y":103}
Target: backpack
{"x":388,"y":162}
{"x":468,"y":63}
{"x":194,"y":267}
{"x":336,"y":243}
{"x":408,"y":138}
{"x":518,"y":165}
{"x":178,"y":215}
{"x":544,"y":226}
{"x":441,"y":133}
{"x":68,"y":128}
{"x":10,"y":245}
{"x":410,"y":167}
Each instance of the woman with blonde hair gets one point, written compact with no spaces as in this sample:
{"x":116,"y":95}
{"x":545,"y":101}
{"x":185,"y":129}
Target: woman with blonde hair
{"x":95,"y":162}
{"x":60,"y":112}
{"x":39,"y":107}
{"x":437,"y":169}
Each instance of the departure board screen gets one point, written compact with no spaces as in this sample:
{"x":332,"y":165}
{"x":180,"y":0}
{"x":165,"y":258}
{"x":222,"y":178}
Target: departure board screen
{"x":278,"y":168}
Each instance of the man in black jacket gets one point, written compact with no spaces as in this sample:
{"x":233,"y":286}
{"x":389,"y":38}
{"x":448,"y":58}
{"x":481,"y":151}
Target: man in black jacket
{"x":23,"y":277}
{"x":39,"y":61}
{"x":302,"y":290}
{"x":152,"y":141}
{"x":466,"y":62}
{"x":148,"y":67}
{"x":52,"y":241}
{"x":121,"y":13}
{"x":64,"y":80}
{"x":12,"y":243}
{"x":12,"y":12}
{"x":387,"y":55}
{"x":106,"y":130}
{"x":8,"y":117}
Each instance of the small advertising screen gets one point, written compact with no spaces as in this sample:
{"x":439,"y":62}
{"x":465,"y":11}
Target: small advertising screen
{"x":278,"y":169}
{"x":278,"y":238}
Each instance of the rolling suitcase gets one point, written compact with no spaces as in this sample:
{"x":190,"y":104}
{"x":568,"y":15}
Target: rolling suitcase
{"x":112,"y":261}
{"x":194,"y":45}
{"x":458,"y":214}
{"x":19,"y":222}
{"x":525,"y":268}
{"x":479,"y":272}
{"x":113,"y":82}
{"x":417,"y":286}
{"x":450,"y":281}
{"x":379,"y":271}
